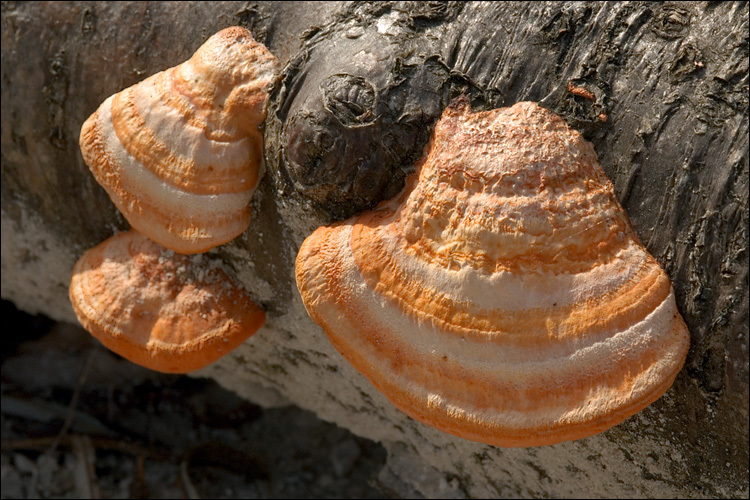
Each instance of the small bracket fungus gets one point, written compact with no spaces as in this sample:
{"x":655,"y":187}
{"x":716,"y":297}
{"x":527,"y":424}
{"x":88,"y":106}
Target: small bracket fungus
{"x":503,"y":296}
{"x":180,"y":153}
{"x":162,"y":310}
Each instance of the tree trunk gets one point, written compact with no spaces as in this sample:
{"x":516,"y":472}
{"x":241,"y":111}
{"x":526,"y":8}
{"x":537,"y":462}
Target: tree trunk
{"x":667,"y":112}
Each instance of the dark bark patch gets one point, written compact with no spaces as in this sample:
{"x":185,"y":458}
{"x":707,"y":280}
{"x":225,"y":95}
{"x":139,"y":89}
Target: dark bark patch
{"x":349,"y":98}
{"x":355,"y":107}
{"x":88,"y":23}
{"x":671,"y":22}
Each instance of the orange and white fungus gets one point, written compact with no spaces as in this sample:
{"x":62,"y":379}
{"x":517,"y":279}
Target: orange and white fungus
{"x":503,"y":296}
{"x":180,"y":153}
{"x":162,"y":310}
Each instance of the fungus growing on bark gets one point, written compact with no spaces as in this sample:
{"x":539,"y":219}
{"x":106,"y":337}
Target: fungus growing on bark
{"x":503,"y":296}
{"x":162,"y":310}
{"x":180,"y":153}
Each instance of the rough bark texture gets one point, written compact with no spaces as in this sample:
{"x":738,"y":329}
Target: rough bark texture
{"x":668,"y":116}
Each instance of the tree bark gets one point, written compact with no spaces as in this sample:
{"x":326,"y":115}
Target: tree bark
{"x":666,"y":109}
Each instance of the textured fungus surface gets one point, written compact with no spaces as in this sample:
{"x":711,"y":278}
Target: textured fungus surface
{"x":159,"y":309}
{"x":503,"y":296}
{"x":180,"y":153}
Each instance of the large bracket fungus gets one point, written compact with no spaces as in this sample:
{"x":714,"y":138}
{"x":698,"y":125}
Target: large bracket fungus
{"x":180,"y":153}
{"x":503,"y":296}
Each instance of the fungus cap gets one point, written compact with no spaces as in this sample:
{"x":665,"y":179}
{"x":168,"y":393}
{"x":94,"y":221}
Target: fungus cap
{"x":503,"y":296}
{"x":165,"y":311}
{"x":180,"y":153}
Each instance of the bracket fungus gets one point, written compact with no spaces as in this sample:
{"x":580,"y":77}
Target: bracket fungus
{"x":503,"y":296}
{"x":180,"y":153}
{"x":162,"y":310}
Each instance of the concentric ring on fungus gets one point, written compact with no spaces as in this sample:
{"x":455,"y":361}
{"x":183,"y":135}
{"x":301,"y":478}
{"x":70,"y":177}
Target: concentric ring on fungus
{"x":159,"y":309}
{"x":503,"y":296}
{"x":180,"y":153}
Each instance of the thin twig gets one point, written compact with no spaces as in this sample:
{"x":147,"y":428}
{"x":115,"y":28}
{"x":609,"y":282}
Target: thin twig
{"x":85,"y":471}
{"x":97,"y":442}
{"x":73,"y":402}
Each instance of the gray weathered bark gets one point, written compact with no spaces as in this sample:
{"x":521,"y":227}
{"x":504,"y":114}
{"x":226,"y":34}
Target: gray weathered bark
{"x":361,"y":86}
